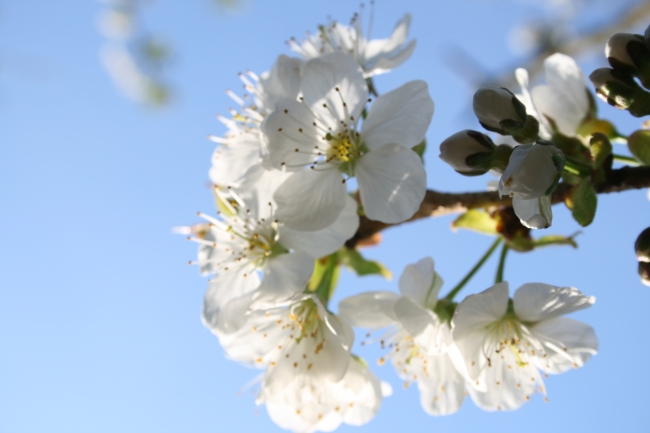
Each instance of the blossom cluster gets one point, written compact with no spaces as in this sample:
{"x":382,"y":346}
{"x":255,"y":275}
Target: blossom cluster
{"x":533,"y":121}
{"x":282,"y":182}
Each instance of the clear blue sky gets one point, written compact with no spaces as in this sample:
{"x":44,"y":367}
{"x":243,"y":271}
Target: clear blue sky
{"x":99,"y":313}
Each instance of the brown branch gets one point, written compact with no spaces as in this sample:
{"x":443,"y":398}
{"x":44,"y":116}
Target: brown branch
{"x":442,"y":203}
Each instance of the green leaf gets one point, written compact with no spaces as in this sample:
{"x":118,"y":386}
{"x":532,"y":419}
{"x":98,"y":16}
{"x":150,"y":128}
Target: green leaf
{"x":639,"y":144}
{"x":420,"y":148}
{"x":353,"y":260}
{"x":476,"y":220}
{"x":556,"y":240}
{"x":583,"y":201}
{"x":326,"y":275}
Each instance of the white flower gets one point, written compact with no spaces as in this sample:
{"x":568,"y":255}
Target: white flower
{"x":375,"y":56}
{"x":501,"y":345}
{"x":306,"y":403}
{"x":530,"y":177}
{"x":321,"y":133}
{"x":420,"y":341}
{"x":247,"y":239}
{"x":311,"y":380}
{"x":241,"y":147}
{"x":562,"y":104}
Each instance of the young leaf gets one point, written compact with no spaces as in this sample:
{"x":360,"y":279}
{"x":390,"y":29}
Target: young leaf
{"x":357,"y":263}
{"x":582,"y":201}
{"x":476,"y":220}
{"x":639,"y":144}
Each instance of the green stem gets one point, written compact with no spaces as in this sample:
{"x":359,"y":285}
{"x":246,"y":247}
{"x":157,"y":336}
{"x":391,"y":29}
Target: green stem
{"x":626,"y":159}
{"x":502,"y":263}
{"x":576,"y":167}
{"x":471,"y":273}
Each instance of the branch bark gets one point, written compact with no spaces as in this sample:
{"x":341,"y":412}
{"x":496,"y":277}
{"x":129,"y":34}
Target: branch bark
{"x":437,"y":203}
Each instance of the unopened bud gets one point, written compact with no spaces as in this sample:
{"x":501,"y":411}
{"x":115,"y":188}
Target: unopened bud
{"x":533,"y":171}
{"x":499,"y":110}
{"x":618,"y":89}
{"x":642,"y":246}
{"x":644,"y":272}
{"x":468,"y":152}
{"x":626,"y":51}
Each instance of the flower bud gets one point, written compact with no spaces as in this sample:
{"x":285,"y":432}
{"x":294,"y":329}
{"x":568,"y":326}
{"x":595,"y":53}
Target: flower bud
{"x":499,"y":110}
{"x":627,"y":52}
{"x":642,"y":246}
{"x":533,"y":171}
{"x":468,"y":152}
{"x":644,"y":272}
{"x":618,"y":89}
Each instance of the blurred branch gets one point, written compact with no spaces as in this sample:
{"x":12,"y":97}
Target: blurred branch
{"x":590,"y":40}
{"x":441,"y":203}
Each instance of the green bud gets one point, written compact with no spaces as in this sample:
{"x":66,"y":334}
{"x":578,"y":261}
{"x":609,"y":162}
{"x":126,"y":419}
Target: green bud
{"x":644,"y":272}
{"x":642,"y":246}
{"x":618,"y":89}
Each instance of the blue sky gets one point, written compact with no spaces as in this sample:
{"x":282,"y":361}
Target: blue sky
{"x":99,"y":313}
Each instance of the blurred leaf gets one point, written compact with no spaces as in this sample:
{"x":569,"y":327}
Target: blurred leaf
{"x":476,"y":220}
{"x":639,"y":144}
{"x":357,"y":263}
{"x":223,"y":207}
{"x":583,"y":201}
{"x":555,"y":240}
{"x":326,"y":275}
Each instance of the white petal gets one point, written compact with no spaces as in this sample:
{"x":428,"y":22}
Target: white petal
{"x":421,"y":282}
{"x":291,"y":136}
{"x":284,"y":276}
{"x":400,"y":116}
{"x":230,"y":161}
{"x":568,"y":344}
{"x":423,"y":325}
{"x":535,"y":213}
{"x":282,"y":81}
{"x":531,"y":109}
{"x":311,"y":200}
{"x":226,"y":300}
{"x":320,"y":79}
{"x":565,"y":99}
{"x":377,"y":47}
{"x":443,"y":391}
{"x":392,"y":183}
{"x":468,"y":357}
{"x":324,"y":359}
{"x":388,"y":63}
{"x":366,"y":391}
{"x":255,"y":343}
{"x":325,"y":241}
{"x":371,"y":310}
{"x":257,"y":187}
{"x":476,"y":311}
{"x":506,"y":388}
{"x":536,"y":301}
